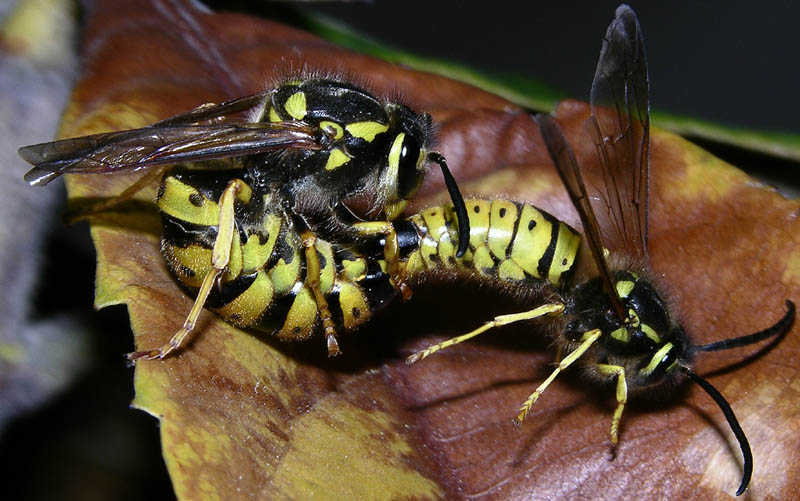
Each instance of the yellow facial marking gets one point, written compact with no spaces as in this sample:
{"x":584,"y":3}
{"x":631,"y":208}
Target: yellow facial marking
{"x":332,"y":128}
{"x":656,"y":359}
{"x":366,"y":130}
{"x":624,"y":288}
{"x":295,"y":106}
{"x":337,"y":158}
{"x":649,"y":332}
{"x":633,"y":318}
{"x":621,"y":334}
{"x":394,"y":156}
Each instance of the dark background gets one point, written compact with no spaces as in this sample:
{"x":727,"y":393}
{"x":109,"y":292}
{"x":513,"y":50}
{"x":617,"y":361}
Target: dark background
{"x":734,"y":62}
{"x":729,"y":62}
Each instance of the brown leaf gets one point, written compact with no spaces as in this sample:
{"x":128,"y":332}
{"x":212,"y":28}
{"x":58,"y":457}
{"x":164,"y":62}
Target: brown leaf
{"x":244,"y":415}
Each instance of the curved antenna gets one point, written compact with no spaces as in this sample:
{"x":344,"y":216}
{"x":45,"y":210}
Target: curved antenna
{"x":458,"y":202}
{"x":725,"y":407}
{"x":781,"y":327}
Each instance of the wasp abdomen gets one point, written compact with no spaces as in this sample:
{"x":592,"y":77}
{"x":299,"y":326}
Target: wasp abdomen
{"x":264,"y":286}
{"x":509,"y":241}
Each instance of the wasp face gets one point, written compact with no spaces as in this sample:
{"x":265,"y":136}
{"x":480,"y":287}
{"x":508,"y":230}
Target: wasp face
{"x":647,"y":342}
{"x":405,"y":160}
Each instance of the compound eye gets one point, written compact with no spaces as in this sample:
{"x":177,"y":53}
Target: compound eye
{"x":409,"y":177}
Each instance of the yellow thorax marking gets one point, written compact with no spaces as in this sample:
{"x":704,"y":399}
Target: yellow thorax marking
{"x":336,"y":159}
{"x":621,"y":334}
{"x":333,"y":127}
{"x":329,"y":126}
{"x":624,"y":288}
{"x":295,"y":106}
{"x":273,"y":115}
{"x":366,"y":130}
{"x":652,"y":334}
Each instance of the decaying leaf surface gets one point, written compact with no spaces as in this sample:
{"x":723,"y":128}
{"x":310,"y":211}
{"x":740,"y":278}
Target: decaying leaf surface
{"x":245,"y":416}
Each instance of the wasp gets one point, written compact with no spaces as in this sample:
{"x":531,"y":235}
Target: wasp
{"x":616,"y":327}
{"x":300,"y":153}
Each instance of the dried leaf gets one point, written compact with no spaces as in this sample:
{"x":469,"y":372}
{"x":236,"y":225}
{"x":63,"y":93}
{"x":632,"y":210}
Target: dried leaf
{"x":246,"y":416}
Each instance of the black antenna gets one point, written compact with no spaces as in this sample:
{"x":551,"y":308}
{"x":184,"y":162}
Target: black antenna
{"x":780,"y":328}
{"x":723,"y":404}
{"x":458,"y":202}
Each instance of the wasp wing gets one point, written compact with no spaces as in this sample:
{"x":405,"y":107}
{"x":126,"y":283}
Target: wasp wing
{"x":567,"y":166}
{"x":620,"y":128}
{"x":212,"y":111}
{"x":160,"y":144}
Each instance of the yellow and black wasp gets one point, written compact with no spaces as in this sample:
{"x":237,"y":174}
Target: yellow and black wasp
{"x":288,"y":167}
{"x":617,"y":327}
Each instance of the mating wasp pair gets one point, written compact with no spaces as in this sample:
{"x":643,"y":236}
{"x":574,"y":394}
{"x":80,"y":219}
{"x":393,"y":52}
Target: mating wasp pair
{"x":249,"y":238}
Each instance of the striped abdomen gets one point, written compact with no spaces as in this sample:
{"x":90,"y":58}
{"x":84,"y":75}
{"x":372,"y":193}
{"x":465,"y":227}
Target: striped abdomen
{"x":509,"y":242}
{"x":264,"y":286}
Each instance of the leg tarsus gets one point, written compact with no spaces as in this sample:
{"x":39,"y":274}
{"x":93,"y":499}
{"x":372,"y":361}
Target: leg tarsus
{"x":622,"y":397}
{"x":588,"y":339}
{"x":220,"y":256}
{"x":313,"y":273}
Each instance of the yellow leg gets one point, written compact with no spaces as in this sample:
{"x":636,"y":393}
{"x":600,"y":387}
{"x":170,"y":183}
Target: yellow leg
{"x":391,"y":252}
{"x":547,"y":309}
{"x":313,"y":272}
{"x":587,"y":340}
{"x":622,"y":396}
{"x":150,"y":177}
{"x":220,"y":257}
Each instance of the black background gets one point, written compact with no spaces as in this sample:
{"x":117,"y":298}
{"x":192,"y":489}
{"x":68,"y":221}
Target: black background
{"x":733,"y":62}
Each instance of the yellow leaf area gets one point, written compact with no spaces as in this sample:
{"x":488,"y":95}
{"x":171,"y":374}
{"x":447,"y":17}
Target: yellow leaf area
{"x":245,"y":416}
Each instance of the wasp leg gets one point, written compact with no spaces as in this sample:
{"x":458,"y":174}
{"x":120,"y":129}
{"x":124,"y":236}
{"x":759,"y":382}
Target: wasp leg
{"x":220,"y":257}
{"x":313,"y":272}
{"x":587,"y":340}
{"x":547,"y":309}
{"x":150,"y":177}
{"x":391,"y":252}
{"x":622,"y":396}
